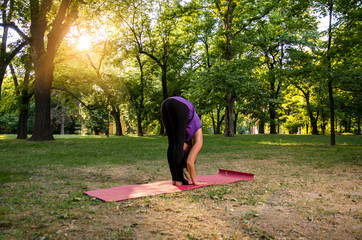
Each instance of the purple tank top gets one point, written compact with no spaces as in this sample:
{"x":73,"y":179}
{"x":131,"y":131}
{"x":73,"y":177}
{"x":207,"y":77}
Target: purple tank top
{"x":194,"y":122}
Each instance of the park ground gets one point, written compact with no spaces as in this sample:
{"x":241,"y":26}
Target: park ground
{"x":303,"y":189}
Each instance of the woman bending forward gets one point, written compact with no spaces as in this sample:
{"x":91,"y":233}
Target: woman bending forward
{"x":183,"y":127}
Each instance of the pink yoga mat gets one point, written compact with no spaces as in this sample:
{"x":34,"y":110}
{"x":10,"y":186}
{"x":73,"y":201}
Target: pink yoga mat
{"x":135,"y":191}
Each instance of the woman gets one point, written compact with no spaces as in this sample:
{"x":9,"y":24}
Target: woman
{"x":184,"y":132}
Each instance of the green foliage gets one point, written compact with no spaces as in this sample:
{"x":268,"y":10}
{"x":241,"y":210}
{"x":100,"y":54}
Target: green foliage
{"x":97,"y":120}
{"x":8,"y":123}
{"x":265,"y":53}
{"x":292,"y":125}
{"x":65,"y":114}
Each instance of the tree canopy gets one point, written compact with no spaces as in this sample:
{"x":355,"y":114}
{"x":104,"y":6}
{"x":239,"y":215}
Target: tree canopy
{"x":74,"y":66}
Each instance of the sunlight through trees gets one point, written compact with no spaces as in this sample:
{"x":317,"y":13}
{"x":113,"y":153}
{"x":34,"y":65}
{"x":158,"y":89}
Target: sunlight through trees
{"x":274,"y":66}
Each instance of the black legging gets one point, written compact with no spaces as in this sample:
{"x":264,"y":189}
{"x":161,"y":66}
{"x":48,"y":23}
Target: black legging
{"x":175,"y":117}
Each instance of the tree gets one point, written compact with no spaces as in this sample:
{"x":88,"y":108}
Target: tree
{"x":110,"y":85}
{"x":206,"y":98}
{"x":256,"y":101}
{"x":24,"y":91}
{"x":44,"y":52}
{"x":236,"y":17}
{"x":330,"y":78}
{"x":9,"y":109}
{"x":152,"y":41}
{"x":89,"y":75}
{"x":159,"y":33}
{"x":134,"y":18}
{"x":10,"y":10}
{"x":303,"y":75}
{"x":137,"y":94}
{"x":342,"y":46}
{"x":284,"y":30}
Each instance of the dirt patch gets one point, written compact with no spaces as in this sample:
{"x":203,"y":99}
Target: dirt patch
{"x":284,"y":201}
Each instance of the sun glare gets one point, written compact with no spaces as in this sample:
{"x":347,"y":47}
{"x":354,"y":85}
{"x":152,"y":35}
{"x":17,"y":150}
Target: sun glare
{"x":84,"y":42}
{"x":85,"y":39}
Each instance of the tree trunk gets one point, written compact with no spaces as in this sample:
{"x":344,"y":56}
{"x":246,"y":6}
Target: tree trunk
{"x":3,"y":54}
{"x":2,"y":75}
{"x":140,"y":107}
{"x":118,"y":127}
{"x":314,"y":125}
{"x":5,"y":58}
{"x":96,"y":131}
{"x":42,"y":93}
{"x":24,"y":104}
{"x":307,"y":128}
{"x":62,"y":120}
{"x":313,"y":120}
{"x":219,"y":120}
{"x":272,"y":111}
{"x":272,"y":115}
{"x":330,"y":82}
{"x":43,"y":58}
{"x":229,"y":112}
{"x":331,"y":109}
{"x":23,"y":123}
{"x":139,"y":125}
{"x":165,"y":94}
{"x":207,"y":55}
{"x":117,"y":119}
{"x":227,"y":19}
{"x":163,"y":66}
{"x":323,"y":126}
{"x":24,"y":113}
{"x":235,"y":121}
{"x":261,"y":127}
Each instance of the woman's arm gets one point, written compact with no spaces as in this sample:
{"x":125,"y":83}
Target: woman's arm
{"x":195,"y":149}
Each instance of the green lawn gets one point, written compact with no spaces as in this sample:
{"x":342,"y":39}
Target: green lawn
{"x":71,"y":150}
{"x":42,"y":185}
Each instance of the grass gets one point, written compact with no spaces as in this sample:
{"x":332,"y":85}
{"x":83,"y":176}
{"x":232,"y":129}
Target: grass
{"x":42,"y":185}
{"x":91,"y":151}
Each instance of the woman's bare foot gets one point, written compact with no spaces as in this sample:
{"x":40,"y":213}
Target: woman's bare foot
{"x":178,"y":183}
